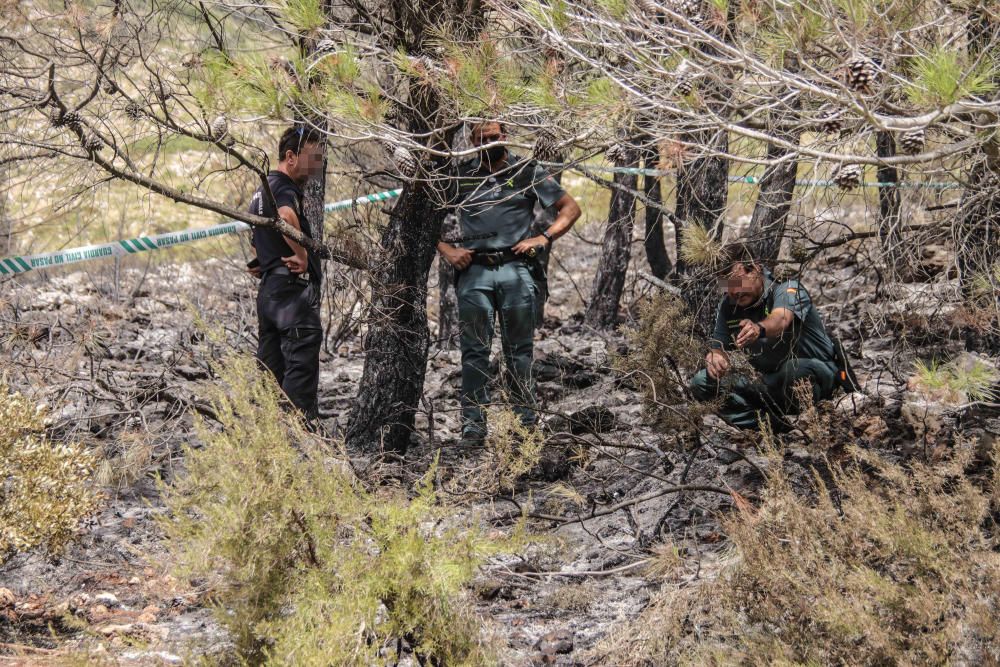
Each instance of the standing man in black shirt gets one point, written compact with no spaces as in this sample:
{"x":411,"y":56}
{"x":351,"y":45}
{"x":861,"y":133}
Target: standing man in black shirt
{"x":289,"y":327}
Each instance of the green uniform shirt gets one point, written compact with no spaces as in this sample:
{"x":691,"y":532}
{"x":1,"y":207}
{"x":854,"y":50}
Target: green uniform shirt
{"x":503,"y":202}
{"x":805,"y":338}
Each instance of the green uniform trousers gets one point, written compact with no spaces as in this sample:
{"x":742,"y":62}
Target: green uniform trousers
{"x":485,"y":294}
{"x":746,"y":402}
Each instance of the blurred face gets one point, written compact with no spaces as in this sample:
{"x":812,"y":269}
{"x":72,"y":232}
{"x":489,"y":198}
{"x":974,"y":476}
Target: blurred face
{"x":744,"y":284}
{"x":307,"y":164}
{"x":488,"y":133}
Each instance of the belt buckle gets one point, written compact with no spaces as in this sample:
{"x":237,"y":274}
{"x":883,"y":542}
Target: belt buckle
{"x":493,"y":258}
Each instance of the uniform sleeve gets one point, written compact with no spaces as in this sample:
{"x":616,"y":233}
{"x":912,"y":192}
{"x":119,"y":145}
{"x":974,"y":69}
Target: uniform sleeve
{"x":546,"y":188}
{"x":792,"y":297}
{"x":285,"y":196}
{"x":720,"y":335}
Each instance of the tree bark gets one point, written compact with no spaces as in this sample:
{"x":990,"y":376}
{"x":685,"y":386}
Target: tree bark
{"x":392,"y":382}
{"x":609,"y":283}
{"x":447,"y":299}
{"x":770,"y":213}
{"x":889,"y":200}
{"x":702,"y":191}
{"x":656,"y":249}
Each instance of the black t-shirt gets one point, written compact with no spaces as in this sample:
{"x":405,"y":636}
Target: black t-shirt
{"x":270,"y":243}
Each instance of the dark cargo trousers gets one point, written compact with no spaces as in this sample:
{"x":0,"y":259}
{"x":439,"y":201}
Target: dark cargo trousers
{"x":290,"y":333}
{"x":773,"y":398}
{"x":487,"y":294}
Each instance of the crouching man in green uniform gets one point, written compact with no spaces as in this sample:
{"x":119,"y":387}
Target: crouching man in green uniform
{"x":777,"y":326}
{"x":495,"y":194}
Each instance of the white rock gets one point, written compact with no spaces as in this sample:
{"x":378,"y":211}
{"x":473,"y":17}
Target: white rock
{"x":109,"y":600}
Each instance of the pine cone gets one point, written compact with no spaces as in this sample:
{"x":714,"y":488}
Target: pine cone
{"x":546,"y":147}
{"x":693,"y":10}
{"x":326,"y":46}
{"x":848,"y":176}
{"x":133,"y":110}
{"x":219,"y":127}
{"x":830,"y":119}
{"x":70,"y":119}
{"x":93,"y":143}
{"x":617,"y":153}
{"x":912,"y":142}
{"x":860,"y":74}
{"x":404,"y":162}
{"x":684,"y":85}
{"x":648,"y":8}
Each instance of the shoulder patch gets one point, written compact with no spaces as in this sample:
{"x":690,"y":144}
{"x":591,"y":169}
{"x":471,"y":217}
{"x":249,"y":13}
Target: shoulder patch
{"x":791,"y":290}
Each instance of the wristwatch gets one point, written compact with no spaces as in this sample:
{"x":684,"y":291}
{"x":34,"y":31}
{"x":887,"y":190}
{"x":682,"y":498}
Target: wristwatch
{"x":761,"y":331}
{"x":548,"y":236}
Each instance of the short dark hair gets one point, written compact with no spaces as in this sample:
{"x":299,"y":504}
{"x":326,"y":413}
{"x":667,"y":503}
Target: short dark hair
{"x":736,"y":252}
{"x":295,"y":137}
{"x":478,"y":125}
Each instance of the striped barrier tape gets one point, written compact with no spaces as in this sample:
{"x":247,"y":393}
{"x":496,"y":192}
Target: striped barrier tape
{"x":753,"y":180}
{"x":25,"y":263}
{"x":124,"y":247}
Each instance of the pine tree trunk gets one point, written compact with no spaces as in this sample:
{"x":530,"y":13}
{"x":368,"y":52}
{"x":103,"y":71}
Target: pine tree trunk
{"x":702,"y":191}
{"x":392,"y":383}
{"x":447,"y":299}
{"x":770,"y":213}
{"x":653,"y":242}
{"x":609,"y":283}
{"x":767,"y":226}
{"x":889,"y":200}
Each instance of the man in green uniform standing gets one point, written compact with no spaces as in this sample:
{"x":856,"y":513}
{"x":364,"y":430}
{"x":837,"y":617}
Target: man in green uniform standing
{"x":777,"y":326}
{"x":495,"y":197}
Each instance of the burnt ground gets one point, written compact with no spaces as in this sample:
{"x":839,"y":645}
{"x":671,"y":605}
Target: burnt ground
{"x":126,"y":375}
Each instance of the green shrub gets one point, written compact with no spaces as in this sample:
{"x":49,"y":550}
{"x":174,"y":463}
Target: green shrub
{"x":890,"y":565}
{"x":309,"y":567}
{"x":45,"y":486}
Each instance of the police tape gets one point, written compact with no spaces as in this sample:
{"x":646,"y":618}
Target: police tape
{"x":753,"y":180}
{"x":125,"y":247}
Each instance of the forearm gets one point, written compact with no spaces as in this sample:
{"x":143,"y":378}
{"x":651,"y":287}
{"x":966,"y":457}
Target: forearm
{"x":775,"y":324}
{"x":566,"y":216}
{"x":443,"y":247}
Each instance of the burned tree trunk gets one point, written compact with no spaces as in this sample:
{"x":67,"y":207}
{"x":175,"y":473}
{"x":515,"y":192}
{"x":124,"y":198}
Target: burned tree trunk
{"x":653,"y":241}
{"x":702,"y":191}
{"x":770,"y":214}
{"x":447,"y":299}
{"x":767,"y":226}
{"x":383,"y":414}
{"x":889,"y":201}
{"x":609,"y":283}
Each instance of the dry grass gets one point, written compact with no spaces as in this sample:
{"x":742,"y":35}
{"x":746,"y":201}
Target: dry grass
{"x":888,"y":565}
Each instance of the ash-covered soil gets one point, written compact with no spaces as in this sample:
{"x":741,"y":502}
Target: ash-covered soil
{"x":126,"y":376}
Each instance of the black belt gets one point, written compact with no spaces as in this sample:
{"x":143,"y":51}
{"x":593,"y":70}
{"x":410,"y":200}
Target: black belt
{"x":495,"y":257}
{"x":284,"y":271}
